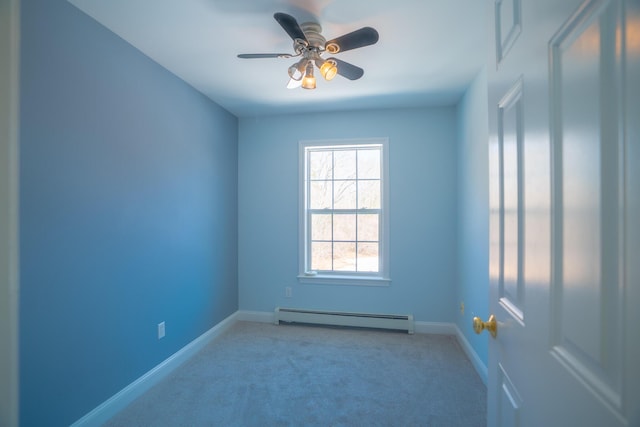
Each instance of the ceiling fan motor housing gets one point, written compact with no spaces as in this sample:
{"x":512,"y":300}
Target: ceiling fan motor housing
{"x":312,"y":32}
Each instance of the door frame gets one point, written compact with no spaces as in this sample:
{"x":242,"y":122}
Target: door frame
{"x":9,"y":175}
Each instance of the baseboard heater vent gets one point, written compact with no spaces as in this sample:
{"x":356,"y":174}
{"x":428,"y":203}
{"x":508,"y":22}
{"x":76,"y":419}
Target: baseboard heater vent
{"x":335,"y":318}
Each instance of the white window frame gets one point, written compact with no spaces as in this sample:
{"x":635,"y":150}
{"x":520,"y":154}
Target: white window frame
{"x":380,"y":278}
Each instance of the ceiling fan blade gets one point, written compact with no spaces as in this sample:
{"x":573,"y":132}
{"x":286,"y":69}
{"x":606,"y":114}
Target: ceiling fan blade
{"x":264,"y":55}
{"x":347,"y":70}
{"x":290,"y":25}
{"x":359,"y":38}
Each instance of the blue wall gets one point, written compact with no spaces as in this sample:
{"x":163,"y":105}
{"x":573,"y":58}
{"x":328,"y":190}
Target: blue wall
{"x":128,"y":215}
{"x":473,"y":204}
{"x":423,"y":214}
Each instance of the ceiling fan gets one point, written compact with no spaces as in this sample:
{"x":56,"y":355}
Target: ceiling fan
{"x":309,"y":44}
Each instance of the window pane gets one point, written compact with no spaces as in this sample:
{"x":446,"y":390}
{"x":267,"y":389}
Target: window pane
{"x":369,"y":164}
{"x":321,"y":256}
{"x":345,"y":195}
{"x":369,"y":194}
{"x":344,"y":164}
{"x":344,"y":256}
{"x":368,"y":227}
{"x":344,"y":227}
{"x":320,"y":197}
{"x":320,"y":227}
{"x":368,"y":257}
{"x":343,"y":207}
{"x":320,"y":165}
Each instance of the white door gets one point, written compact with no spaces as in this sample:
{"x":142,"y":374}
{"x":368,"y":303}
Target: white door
{"x":564,"y":103}
{"x":9,"y":52}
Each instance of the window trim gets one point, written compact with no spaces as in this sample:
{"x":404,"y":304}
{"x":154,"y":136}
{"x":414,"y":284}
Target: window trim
{"x":381,"y":278}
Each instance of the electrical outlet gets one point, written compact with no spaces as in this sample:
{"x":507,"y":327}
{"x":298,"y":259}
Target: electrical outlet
{"x":461,"y":307}
{"x":160,"y":330}
{"x":287,"y":292}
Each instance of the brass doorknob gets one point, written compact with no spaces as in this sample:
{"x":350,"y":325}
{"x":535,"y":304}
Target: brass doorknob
{"x":490,"y":325}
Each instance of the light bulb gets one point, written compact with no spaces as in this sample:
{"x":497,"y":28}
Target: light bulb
{"x":328,"y":70}
{"x":309,"y":82}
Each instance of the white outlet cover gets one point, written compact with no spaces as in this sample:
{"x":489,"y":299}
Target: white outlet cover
{"x":160,"y":330}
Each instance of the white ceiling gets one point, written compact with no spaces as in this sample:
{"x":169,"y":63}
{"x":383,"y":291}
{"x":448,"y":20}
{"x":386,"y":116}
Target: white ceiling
{"x":428,"y":52}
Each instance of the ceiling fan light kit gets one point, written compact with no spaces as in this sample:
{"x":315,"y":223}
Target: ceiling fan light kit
{"x":309,"y":43}
{"x":297,"y":70}
{"x":328,"y":69}
{"x":309,"y":81}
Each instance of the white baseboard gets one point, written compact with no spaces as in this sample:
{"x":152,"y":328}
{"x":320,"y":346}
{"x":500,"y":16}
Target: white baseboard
{"x":438,"y":328}
{"x":255,"y":316}
{"x":477,"y":363}
{"x":124,"y":397}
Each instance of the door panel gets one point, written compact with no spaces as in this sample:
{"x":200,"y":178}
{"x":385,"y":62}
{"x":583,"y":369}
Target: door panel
{"x":510,"y":133}
{"x":585,"y":76}
{"x":564,"y":208}
{"x":509,"y":401}
{"x":508,"y":23}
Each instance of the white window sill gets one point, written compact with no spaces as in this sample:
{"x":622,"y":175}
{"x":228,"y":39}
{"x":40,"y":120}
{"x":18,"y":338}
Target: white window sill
{"x":335,"y":279}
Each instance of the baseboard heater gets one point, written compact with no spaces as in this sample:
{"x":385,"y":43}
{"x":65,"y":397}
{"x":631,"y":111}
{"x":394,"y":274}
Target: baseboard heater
{"x":336,"y":318}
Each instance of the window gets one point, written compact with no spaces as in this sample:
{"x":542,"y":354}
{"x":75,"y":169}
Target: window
{"x":343,"y":212}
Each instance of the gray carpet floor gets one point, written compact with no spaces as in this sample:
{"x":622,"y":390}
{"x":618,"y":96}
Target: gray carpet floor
{"x":290,"y":375}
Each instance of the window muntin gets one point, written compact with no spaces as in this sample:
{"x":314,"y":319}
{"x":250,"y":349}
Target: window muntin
{"x":342,"y":217}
